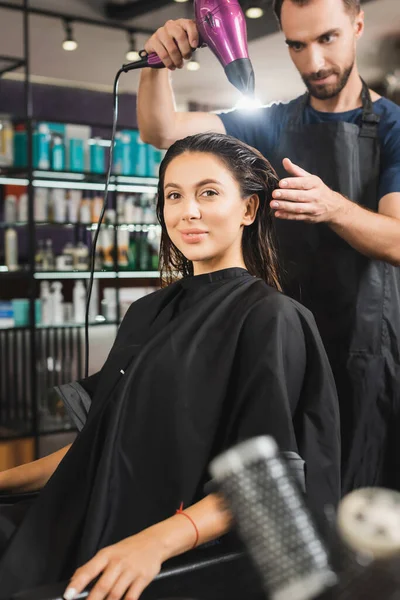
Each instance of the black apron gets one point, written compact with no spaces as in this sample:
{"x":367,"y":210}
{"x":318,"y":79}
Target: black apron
{"x":355,"y":300}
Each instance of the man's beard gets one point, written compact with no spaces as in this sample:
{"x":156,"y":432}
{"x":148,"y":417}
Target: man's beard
{"x":325,"y":92}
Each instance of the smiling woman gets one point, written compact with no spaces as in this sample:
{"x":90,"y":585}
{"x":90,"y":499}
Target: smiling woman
{"x":224,"y":219}
{"x":217,"y":357}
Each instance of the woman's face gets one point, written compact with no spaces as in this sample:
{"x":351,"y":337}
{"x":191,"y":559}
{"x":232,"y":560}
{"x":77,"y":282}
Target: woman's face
{"x":204,"y":212}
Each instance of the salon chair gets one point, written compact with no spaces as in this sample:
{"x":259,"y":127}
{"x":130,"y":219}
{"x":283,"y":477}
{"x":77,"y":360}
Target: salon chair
{"x":216,"y":571}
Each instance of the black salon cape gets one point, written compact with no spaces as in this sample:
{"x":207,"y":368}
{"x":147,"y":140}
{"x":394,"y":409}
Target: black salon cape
{"x":195,"y":368}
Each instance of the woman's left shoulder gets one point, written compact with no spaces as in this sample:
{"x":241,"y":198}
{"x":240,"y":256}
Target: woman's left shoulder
{"x":272,"y":303}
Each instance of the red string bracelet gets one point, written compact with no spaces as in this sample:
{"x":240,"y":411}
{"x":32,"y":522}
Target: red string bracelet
{"x":181,"y":512}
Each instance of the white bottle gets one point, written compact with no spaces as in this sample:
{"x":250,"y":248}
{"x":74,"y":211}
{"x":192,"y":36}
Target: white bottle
{"x":74,"y":203}
{"x":129,"y":210}
{"x":11,"y":249}
{"x":46,"y":303}
{"x":85,"y":214}
{"x":59,"y":203}
{"x":41,"y":205}
{"x":79,"y":301}
{"x":94,"y":301}
{"x":23,"y":208}
{"x":121,"y":207}
{"x":82,"y":257}
{"x":57,"y":303}
{"x":10,"y":208}
{"x":110,"y":304}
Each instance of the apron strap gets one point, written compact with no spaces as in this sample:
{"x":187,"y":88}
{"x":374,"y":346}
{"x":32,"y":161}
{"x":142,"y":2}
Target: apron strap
{"x":369,"y":120}
{"x":296,"y":116}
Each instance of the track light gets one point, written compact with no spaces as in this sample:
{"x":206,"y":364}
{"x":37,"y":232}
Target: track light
{"x":181,"y":1}
{"x":192,"y":65}
{"x":69,"y":43}
{"x":132,"y":55}
{"x":254,"y":10}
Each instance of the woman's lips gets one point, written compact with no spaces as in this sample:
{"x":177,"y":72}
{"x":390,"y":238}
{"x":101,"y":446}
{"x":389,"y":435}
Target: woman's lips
{"x":193,"y":236}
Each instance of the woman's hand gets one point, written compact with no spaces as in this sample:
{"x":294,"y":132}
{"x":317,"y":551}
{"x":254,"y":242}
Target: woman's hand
{"x":125,"y":568}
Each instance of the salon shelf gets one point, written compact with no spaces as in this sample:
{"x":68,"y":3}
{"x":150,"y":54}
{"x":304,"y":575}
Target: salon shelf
{"x":78,"y":181}
{"x":97,"y":274}
{"x":20,"y":274}
{"x":88,"y":226}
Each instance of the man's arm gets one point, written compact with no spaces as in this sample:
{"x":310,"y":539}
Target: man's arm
{"x":159,"y":122}
{"x":376,"y":235}
{"x":304,"y":197}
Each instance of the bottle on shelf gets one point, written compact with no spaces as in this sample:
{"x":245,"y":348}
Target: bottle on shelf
{"x":6,"y":141}
{"x":58,"y":154}
{"x":121,"y":208}
{"x":39,"y":256}
{"x":85,"y":213}
{"x":96,"y":206}
{"x":123,"y":245}
{"x":109,"y":304}
{"x":144,"y":252}
{"x":81,"y":257}
{"x":57,"y":303}
{"x":10,"y":208}
{"x":23,"y":208}
{"x":73,"y":206}
{"x":98,"y":258}
{"x":41,"y":204}
{"x":69,"y":256}
{"x":133,"y":252}
{"x":154,"y":247}
{"x":41,"y":147}
{"x":59,"y":205}
{"x":108,"y":249}
{"x":97,"y":156}
{"x":46,"y":303}
{"x":94,"y":301}
{"x":129,"y":210}
{"x":48,"y":256}
{"x":79,"y":301}
{"x":11,"y":249}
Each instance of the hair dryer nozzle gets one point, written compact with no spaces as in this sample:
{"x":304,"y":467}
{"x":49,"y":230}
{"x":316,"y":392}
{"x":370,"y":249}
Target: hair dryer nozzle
{"x":240,"y":73}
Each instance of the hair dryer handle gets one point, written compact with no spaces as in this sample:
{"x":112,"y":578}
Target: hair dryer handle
{"x":154,"y":61}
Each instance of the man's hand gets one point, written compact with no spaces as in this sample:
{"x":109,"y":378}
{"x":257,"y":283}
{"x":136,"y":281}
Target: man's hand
{"x":304,"y":197}
{"x":173,"y":42}
{"x":124,"y":568}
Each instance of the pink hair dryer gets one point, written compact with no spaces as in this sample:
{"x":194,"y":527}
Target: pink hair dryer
{"x":222,"y":27}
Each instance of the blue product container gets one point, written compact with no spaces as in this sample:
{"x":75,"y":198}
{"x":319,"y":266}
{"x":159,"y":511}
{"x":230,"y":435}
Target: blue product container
{"x":76,"y":155}
{"x":20,"y":149}
{"x":154,"y":158}
{"x":58,"y":155}
{"x":139,"y":155}
{"x":41,"y":148}
{"x":97,"y":157}
{"x":126,"y":155}
{"x":117,"y":159}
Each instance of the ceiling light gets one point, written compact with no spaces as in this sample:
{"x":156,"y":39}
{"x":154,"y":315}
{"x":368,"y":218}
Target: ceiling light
{"x":181,"y":1}
{"x":254,"y":11}
{"x":192,"y":65}
{"x":69,"y":44}
{"x":132,"y":54}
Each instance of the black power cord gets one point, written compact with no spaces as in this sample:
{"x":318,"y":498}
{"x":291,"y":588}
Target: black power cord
{"x":124,"y":69}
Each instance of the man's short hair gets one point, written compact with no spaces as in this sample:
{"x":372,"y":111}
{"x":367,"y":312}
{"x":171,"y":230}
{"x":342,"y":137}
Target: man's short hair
{"x":351,"y":6}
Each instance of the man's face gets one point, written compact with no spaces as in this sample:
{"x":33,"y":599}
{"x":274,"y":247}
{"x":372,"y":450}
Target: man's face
{"x":321,"y":37}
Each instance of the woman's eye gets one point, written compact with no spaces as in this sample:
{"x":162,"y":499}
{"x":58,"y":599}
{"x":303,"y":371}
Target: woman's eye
{"x":173,"y":196}
{"x":209,"y":193}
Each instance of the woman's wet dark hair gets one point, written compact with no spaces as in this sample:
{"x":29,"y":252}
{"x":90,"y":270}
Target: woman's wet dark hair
{"x":254,"y":175}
